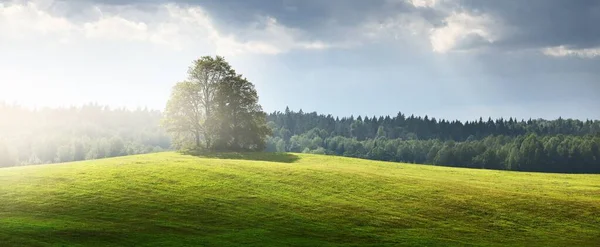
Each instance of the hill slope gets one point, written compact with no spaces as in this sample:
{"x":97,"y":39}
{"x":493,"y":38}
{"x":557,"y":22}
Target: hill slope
{"x":169,"y":199}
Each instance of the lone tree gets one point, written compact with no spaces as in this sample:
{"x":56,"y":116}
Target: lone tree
{"x":215,"y":109}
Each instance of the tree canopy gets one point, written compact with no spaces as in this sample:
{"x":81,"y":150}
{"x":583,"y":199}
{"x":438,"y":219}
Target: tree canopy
{"x":215,"y":109}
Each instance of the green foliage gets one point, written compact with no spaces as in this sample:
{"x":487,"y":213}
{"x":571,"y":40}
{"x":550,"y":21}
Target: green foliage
{"x":69,"y":134}
{"x":241,"y":120}
{"x":183,"y":118}
{"x":573,"y":154}
{"x":424,"y":128}
{"x":216,"y":107}
{"x":522,"y":146}
{"x":262,"y":199}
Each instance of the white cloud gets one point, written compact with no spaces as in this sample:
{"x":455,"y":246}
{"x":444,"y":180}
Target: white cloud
{"x":22,"y":21}
{"x":116,"y":28}
{"x":459,"y":30}
{"x":423,"y":3}
{"x":563,"y":51}
{"x":462,"y":30}
{"x":268,"y":36}
{"x":170,"y":25}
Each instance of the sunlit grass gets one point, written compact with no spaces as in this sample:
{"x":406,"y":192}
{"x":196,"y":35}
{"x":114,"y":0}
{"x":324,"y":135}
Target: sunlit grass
{"x":169,"y":199}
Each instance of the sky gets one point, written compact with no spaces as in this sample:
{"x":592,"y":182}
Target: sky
{"x":453,"y":59}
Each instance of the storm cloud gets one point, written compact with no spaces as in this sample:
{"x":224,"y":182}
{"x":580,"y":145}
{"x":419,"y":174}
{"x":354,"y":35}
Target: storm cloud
{"x":468,"y":58}
{"x":505,"y":25}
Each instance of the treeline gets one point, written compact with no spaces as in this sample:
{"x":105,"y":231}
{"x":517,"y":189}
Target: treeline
{"x":92,"y":131}
{"x":70,"y":134}
{"x":560,"y":145}
{"x":290,"y":123}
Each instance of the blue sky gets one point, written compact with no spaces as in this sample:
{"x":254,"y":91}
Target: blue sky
{"x":456,"y":59}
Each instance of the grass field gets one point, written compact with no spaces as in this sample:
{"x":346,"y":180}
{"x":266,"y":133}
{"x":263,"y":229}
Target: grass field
{"x":169,"y":199}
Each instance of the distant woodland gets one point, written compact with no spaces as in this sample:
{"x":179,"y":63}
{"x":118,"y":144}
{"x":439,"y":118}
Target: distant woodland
{"x":92,"y":131}
{"x":69,"y":134}
{"x":562,"y":145}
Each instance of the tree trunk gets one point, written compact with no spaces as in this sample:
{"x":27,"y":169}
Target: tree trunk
{"x":235,"y":132}
{"x":197,"y":139}
{"x":208,"y":124}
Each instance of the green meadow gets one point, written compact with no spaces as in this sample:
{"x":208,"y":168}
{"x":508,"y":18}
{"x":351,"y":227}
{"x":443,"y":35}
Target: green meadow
{"x":281,"y":199}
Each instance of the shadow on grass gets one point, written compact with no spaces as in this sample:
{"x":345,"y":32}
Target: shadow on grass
{"x":257,"y":156}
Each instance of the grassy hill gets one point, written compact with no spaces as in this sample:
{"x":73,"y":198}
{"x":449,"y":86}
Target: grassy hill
{"x":168,"y":199}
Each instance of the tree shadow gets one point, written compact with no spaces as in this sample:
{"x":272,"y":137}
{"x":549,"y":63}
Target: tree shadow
{"x":256,"y":156}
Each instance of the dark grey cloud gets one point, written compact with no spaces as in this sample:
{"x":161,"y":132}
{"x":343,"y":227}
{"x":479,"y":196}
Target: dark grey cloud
{"x":294,"y":13}
{"x":321,"y":19}
{"x":543,"y":23}
{"x":528,"y":24}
